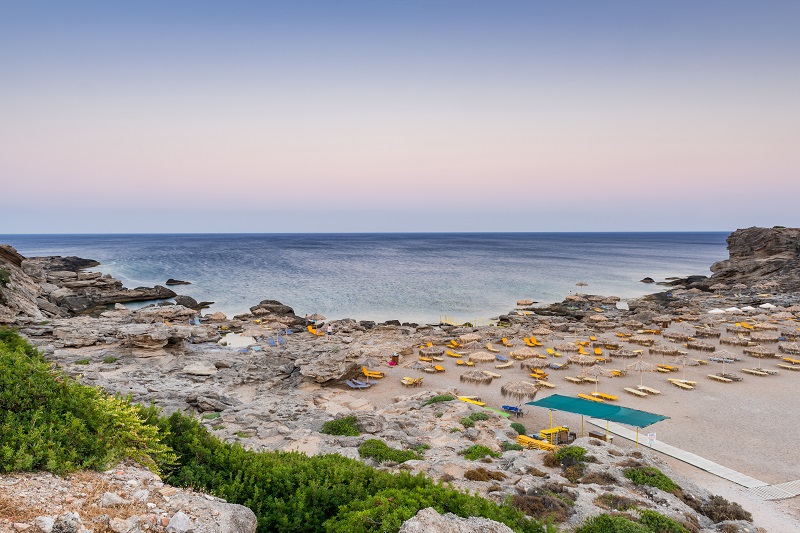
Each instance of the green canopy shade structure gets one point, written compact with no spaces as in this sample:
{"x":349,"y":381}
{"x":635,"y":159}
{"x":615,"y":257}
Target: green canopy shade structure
{"x":603,"y":411}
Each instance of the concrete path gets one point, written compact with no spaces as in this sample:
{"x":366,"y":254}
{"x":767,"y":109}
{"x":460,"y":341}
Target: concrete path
{"x":764,"y":490}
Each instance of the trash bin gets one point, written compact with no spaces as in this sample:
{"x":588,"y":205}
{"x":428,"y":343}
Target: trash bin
{"x":396,"y":359}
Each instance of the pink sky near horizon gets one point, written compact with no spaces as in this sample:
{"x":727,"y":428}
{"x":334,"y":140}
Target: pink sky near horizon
{"x":375,"y":131}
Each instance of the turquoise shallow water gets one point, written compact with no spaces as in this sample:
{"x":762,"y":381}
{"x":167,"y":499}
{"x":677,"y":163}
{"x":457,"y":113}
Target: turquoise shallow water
{"x":410,"y":277}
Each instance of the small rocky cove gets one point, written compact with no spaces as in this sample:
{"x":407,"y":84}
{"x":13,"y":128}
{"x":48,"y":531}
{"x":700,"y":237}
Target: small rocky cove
{"x":278,"y":397}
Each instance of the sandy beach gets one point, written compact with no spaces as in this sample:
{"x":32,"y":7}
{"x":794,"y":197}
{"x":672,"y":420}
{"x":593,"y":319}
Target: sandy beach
{"x":748,"y":426}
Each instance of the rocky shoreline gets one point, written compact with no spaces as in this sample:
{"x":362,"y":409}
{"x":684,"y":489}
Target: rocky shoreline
{"x":278,"y":397}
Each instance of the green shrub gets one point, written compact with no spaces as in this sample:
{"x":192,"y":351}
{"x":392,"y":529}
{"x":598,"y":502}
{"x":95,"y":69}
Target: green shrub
{"x":477,"y":415}
{"x":570,"y":454}
{"x":289,"y":491}
{"x":421,"y":448}
{"x":5,"y":277}
{"x":519,"y":428}
{"x":346,"y":426}
{"x":647,"y":475}
{"x":110,"y":359}
{"x":508,"y":446}
{"x":48,"y":421}
{"x":718,"y":509}
{"x":382,"y":452}
{"x":477,"y":451}
{"x":83,"y":361}
{"x":574,"y":471}
{"x":659,"y":523}
{"x":611,"y":524}
{"x":615,"y":502}
{"x":210,"y":416}
{"x":467,"y":422}
{"x":440,"y":398}
{"x":481,"y":474}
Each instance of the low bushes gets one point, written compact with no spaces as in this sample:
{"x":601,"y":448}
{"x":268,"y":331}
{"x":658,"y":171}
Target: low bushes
{"x":519,"y":428}
{"x":383,"y":453}
{"x":346,"y":426}
{"x":477,"y":451}
{"x":439,"y":399}
{"x":508,"y":446}
{"x":51,"y":422}
{"x":653,"y":477}
{"x":481,"y":474}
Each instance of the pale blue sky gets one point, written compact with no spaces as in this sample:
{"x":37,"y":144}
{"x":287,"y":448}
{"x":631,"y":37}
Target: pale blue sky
{"x":398,"y":116}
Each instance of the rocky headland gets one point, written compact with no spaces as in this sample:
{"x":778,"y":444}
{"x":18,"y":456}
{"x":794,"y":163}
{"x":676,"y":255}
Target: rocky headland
{"x":277,"y":397}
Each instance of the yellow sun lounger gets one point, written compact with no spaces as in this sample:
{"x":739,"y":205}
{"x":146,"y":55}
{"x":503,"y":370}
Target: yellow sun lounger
{"x":426,"y":359}
{"x":491,"y":374}
{"x":439,"y":368}
{"x":635,"y":392}
{"x":648,"y":390}
{"x":470,"y":400}
{"x":507,"y":343}
{"x":721,"y":379}
{"x":491,"y":348}
{"x":535,"y":444}
{"x":604,"y":396}
{"x":571,"y":379}
{"x":505,"y":365}
{"x":454,"y":354}
{"x":372,"y":373}
{"x":590,"y":398}
{"x":546,"y":384}
{"x":459,"y":362}
{"x":598,"y":351}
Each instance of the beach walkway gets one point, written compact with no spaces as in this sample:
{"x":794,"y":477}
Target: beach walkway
{"x":759,"y":488}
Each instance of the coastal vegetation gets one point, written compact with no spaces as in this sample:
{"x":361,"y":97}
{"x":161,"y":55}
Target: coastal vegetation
{"x":51,"y":422}
{"x":346,"y":426}
{"x":439,"y":399}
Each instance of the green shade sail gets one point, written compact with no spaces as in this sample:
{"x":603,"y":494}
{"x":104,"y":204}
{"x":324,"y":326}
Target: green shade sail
{"x":603,"y":411}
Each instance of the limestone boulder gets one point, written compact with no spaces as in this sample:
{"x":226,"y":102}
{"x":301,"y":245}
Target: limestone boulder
{"x":160,"y":313}
{"x":429,"y":521}
{"x":328,"y":367}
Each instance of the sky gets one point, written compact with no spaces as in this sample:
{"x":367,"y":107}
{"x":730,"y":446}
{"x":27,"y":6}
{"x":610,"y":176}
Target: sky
{"x":405,"y":115}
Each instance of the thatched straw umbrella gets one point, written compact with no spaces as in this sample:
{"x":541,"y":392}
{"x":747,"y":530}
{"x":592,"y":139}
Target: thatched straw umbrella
{"x":596,"y":371}
{"x":541,"y":331}
{"x":725,"y":354}
{"x":734,"y":341}
{"x":641,"y":366}
{"x":568,"y":347}
{"x":419,"y":365}
{"x":791,"y":348}
{"x":685,"y":360}
{"x":470,"y":337}
{"x":471,"y":345}
{"x":533,"y":363}
{"x":431,"y":350}
{"x":676,"y":336}
{"x":524,"y":353}
{"x":760,"y":352}
{"x":642,"y":340}
{"x":761,"y":336}
{"x":481,"y":357}
{"x":701,"y":346}
{"x":476,"y":377}
{"x":665,"y":349}
{"x":581,"y":359}
{"x":623,"y":353}
{"x":520,"y":390}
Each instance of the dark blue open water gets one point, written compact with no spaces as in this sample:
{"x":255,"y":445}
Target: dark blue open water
{"x":414,"y":277}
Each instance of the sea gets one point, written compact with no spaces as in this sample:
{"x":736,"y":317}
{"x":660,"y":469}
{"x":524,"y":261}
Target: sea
{"x":411,"y":277}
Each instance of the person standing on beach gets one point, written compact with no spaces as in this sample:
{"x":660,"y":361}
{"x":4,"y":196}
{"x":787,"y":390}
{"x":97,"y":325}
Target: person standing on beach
{"x":330,"y":332}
